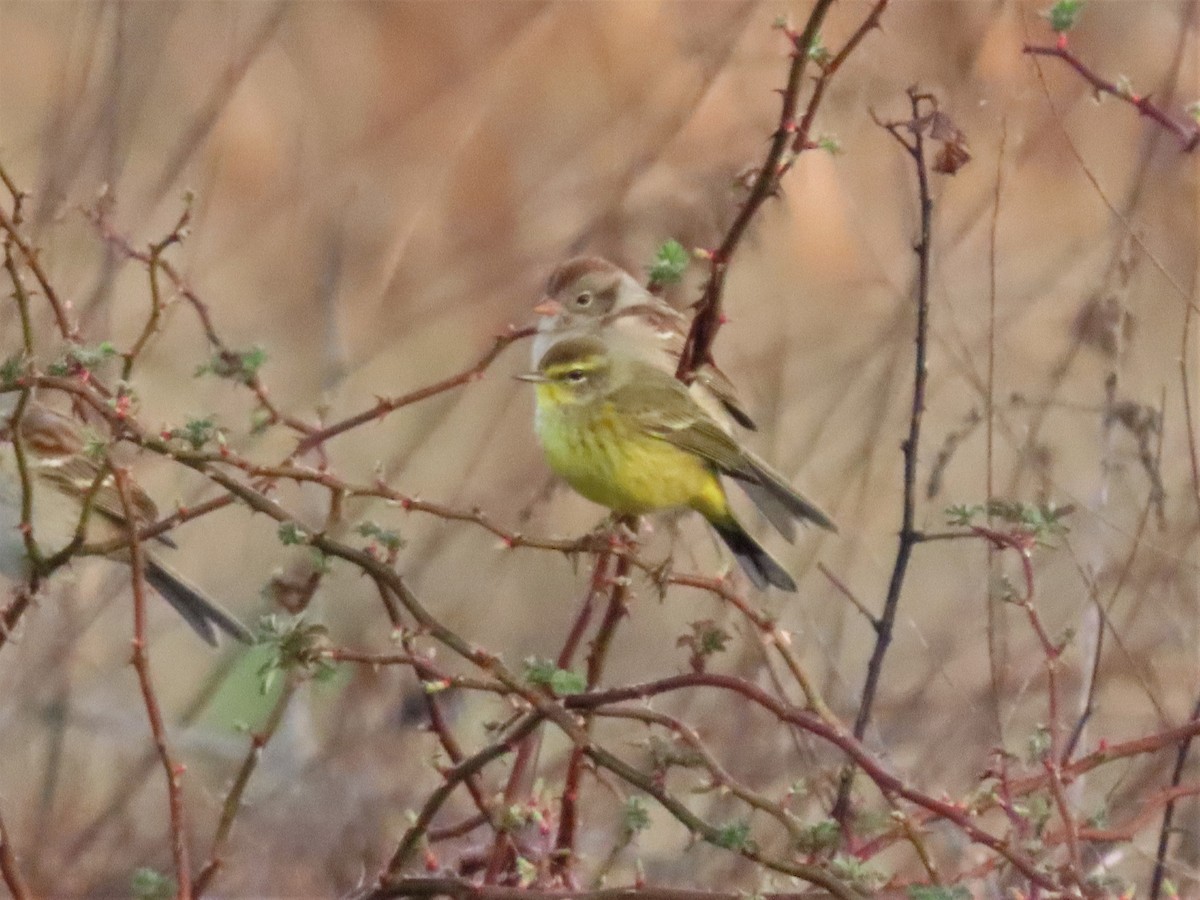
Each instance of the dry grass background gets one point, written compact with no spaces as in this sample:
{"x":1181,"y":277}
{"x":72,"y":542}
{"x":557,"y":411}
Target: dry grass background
{"x":380,"y":188}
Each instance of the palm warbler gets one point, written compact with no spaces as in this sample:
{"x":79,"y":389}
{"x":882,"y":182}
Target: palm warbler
{"x":629,"y":436}
{"x":590,"y":296}
{"x":62,"y":475}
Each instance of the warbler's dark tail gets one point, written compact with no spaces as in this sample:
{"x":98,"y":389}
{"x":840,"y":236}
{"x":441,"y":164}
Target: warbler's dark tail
{"x":197,"y":610}
{"x":756,"y":562}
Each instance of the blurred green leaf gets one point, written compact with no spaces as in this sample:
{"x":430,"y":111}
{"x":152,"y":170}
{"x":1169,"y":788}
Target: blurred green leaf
{"x":148,"y":884}
{"x":238,"y":365}
{"x":560,"y":681}
{"x":1063,"y":15}
{"x":670,"y":262}
{"x":938,"y":892}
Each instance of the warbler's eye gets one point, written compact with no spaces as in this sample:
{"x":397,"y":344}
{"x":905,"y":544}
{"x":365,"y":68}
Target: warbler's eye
{"x":576,"y":375}
{"x":584,"y":299}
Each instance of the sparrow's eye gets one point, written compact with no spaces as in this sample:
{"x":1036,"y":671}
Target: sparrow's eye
{"x":584,"y":299}
{"x":576,"y":375}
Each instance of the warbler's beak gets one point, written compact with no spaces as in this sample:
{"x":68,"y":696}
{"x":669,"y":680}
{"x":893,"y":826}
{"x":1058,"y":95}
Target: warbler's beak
{"x":548,"y":307}
{"x":532,"y":377}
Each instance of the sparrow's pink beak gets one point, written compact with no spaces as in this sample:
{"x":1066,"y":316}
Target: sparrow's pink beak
{"x":548,"y":307}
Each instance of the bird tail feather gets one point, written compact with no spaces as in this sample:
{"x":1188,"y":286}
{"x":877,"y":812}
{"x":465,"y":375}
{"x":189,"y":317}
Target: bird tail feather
{"x":197,"y":610}
{"x":777,"y":500}
{"x":757,"y":563}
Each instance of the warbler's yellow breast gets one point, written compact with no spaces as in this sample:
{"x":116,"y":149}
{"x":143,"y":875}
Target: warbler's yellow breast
{"x":610,"y":461}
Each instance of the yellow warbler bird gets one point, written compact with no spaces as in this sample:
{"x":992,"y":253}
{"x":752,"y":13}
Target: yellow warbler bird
{"x":628,"y":436}
{"x":588,"y":296}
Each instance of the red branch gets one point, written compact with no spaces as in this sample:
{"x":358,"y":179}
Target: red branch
{"x":1189,"y":135}
{"x":387,"y":405}
{"x":68,"y":331}
{"x":9,"y":869}
{"x":141,"y":664}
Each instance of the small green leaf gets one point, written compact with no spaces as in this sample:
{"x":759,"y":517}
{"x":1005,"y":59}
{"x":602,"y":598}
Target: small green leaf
{"x":1037,"y":745}
{"x":938,"y":892}
{"x":296,"y":646}
{"x":1063,"y":15}
{"x":92,"y":356}
{"x":734,"y":836}
{"x":817,"y":51}
{"x":830,"y":144}
{"x":853,"y":869}
{"x":291,"y":534}
{"x":196,"y":432}
{"x":962,"y":515}
{"x":706,"y":640}
{"x":821,"y":836}
{"x":670,"y":262}
{"x":320,"y":563}
{"x":390,"y":540}
{"x":12,"y":369}
{"x":260,"y":420}
{"x":562,"y":682}
{"x":1036,"y":809}
{"x":148,"y":884}
{"x":238,"y":365}
{"x":526,"y":872}
{"x":95,"y":447}
{"x":80,"y":357}
{"x":635,"y":818}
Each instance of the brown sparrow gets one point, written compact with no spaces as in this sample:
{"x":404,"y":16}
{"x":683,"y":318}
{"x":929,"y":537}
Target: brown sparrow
{"x":588,"y":296}
{"x":61,"y":477}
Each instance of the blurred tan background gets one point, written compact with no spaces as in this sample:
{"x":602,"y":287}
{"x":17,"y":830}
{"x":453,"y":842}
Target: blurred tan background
{"x":382,"y":187}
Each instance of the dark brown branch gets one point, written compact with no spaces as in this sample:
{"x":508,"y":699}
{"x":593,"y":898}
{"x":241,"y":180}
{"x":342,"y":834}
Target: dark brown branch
{"x":13,"y":233}
{"x":437,"y":722}
{"x":802,"y":140}
{"x":914,"y":146}
{"x":1164,"y":832}
{"x":698,"y":348}
{"x":451,"y":779}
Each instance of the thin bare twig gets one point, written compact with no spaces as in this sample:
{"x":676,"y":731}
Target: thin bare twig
{"x":914,"y":146}
{"x":387,"y":405}
{"x":233,"y":798}
{"x":1164,"y":832}
{"x":1189,"y":135}
{"x":30,"y":255}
